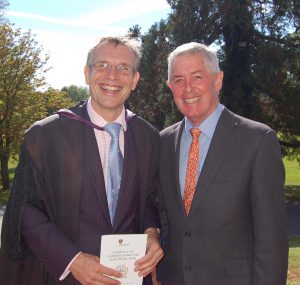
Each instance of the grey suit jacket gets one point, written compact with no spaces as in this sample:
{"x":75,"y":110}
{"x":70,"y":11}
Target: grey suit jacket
{"x":236,"y":232}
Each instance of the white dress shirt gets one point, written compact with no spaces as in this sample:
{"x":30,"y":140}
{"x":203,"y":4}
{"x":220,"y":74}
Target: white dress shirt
{"x":103,"y":141}
{"x":103,"y":138}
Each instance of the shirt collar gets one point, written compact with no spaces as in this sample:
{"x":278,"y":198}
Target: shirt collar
{"x":208,"y":126}
{"x":100,"y":121}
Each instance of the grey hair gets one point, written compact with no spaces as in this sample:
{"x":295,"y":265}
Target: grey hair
{"x":129,"y":42}
{"x":210,"y":58}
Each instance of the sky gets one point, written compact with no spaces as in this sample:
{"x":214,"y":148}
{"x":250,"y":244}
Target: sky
{"x":66,"y":29}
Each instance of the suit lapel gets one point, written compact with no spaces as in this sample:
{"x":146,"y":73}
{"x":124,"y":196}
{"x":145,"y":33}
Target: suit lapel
{"x":221,"y":142}
{"x":174,"y":157}
{"x":71,"y":179}
{"x":95,"y":166}
{"x":143,"y":159}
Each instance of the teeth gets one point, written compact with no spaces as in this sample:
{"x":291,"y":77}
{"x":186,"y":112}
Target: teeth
{"x":192,"y":100}
{"x":110,"y":88}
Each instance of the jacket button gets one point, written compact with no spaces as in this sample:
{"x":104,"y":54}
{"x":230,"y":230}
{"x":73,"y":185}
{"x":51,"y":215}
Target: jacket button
{"x":187,"y":268}
{"x":187,"y":234}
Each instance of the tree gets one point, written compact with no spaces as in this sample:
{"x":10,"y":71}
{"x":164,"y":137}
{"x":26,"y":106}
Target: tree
{"x":152,"y":100}
{"x":258,"y":44}
{"x":243,"y":30}
{"x":38,"y":104}
{"x":51,"y":101}
{"x":76,"y":93}
{"x":21,"y":75}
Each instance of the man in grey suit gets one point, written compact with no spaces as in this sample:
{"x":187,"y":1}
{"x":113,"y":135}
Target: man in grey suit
{"x":221,"y":201}
{"x":66,"y":193}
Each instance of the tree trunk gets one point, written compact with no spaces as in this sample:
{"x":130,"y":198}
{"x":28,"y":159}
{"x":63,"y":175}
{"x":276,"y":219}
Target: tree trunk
{"x":237,"y":89}
{"x":4,"y":172}
{"x":4,"y":158}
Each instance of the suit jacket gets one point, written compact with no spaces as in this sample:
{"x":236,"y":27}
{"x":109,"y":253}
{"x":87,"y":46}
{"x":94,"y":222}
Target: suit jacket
{"x":236,"y":231}
{"x":50,"y":178}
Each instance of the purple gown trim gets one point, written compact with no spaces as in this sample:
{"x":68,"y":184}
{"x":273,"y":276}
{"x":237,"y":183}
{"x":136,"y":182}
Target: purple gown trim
{"x":69,"y":114}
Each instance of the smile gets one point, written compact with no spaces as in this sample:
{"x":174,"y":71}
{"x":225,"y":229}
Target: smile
{"x":191,"y":100}
{"x":111,"y":88}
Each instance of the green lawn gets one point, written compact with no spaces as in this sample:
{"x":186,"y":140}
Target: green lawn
{"x":292,"y":187}
{"x":292,"y":180}
{"x":292,"y":169}
{"x":294,"y":261}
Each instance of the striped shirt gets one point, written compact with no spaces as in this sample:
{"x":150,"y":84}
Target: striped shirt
{"x":103,"y":138}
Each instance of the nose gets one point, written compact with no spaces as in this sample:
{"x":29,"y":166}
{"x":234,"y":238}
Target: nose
{"x":188,"y":86}
{"x":112,"y":72}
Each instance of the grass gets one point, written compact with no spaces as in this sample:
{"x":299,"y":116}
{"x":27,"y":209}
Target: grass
{"x":292,"y":188}
{"x":292,"y":169}
{"x":292,"y":180}
{"x":4,"y":194}
{"x":294,"y":261}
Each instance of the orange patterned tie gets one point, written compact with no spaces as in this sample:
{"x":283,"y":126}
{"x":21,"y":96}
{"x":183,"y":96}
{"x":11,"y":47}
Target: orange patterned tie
{"x":192,"y":170}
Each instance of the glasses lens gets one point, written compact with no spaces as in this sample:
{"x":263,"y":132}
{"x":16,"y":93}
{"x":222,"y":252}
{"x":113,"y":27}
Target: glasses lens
{"x":123,"y":69}
{"x":102,"y":66}
{"x":106,"y":67}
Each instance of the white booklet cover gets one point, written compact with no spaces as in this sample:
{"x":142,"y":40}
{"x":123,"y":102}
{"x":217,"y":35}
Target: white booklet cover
{"x":120,"y":253}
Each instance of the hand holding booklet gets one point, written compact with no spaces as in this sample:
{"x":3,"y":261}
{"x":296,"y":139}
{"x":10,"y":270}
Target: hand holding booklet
{"x":120,"y":252}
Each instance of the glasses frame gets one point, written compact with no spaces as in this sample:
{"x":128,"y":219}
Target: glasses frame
{"x":106,"y":67}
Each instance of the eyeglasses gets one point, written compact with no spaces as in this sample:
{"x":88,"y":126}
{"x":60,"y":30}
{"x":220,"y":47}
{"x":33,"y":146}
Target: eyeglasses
{"x":106,"y":67}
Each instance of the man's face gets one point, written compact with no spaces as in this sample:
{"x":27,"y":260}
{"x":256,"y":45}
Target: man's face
{"x":110,"y":89}
{"x":195,"y":89}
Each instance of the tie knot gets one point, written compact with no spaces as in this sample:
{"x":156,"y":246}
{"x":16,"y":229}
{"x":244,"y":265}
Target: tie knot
{"x":113,"y":129}
{"x":195,"y":132}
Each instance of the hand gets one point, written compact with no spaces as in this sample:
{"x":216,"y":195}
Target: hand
{"x":87,"y":270}
{"x":154,"y":278}
{"x":153,"y":255}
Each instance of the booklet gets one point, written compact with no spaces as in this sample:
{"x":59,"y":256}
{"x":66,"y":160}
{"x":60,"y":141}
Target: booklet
{"x":120,"y":253}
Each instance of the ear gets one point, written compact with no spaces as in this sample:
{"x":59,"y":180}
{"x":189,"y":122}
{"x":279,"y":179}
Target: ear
{"x":87,"y":75}
{"x":219,"y":81}
{"x":169,"y":84}
{"x":135,"y":80}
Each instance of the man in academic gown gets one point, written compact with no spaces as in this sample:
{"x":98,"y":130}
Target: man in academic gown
{"x":60,"y":202}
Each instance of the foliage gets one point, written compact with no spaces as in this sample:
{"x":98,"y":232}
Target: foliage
{"x":76,"y":93}
{"x":152,"y":100}
{"x":21,"y":75}
{"x":52,"y":101}
{"x":258,"y":45}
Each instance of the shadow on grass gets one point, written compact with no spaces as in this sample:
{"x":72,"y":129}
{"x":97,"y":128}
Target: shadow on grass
{"x":292,"y":193}
{"x":294,"y":241}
